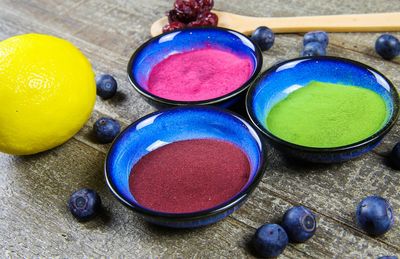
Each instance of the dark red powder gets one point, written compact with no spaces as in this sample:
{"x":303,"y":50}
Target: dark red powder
{"x":189,"y":176}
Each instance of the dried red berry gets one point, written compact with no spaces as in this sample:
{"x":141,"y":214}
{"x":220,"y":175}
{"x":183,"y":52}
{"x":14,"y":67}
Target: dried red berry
{"x":198,"y":24}
{"x":206,"y":5}
{"x":173,"y":26}
{"x":173,"y":16}
{"x":205,"y":19}
{"x":187,"y":10}
{"x":208,"y":18}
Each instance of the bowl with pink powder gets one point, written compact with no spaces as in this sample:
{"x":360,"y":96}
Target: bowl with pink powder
{"x":195,"y":66}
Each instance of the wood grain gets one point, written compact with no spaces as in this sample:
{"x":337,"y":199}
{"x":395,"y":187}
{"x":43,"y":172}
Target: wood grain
{"x":34,"y":220}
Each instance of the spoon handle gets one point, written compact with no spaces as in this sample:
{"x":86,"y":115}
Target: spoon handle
{"x":372,"y":22}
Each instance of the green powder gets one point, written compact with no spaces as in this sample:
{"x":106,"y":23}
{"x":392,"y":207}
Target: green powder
{"x":327,"y":115}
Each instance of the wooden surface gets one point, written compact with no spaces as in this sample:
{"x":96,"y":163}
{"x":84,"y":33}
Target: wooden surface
{"x":34,"y":220}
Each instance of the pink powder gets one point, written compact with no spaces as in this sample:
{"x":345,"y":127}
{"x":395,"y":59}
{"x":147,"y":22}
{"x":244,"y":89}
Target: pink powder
{"x":199,"y":75}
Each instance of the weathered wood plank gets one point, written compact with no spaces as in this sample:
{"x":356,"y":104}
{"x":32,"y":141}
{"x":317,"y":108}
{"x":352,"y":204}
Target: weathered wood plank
{"x":51,"y":12}
{"x":303,"y":7}
{"x":360,"y":42}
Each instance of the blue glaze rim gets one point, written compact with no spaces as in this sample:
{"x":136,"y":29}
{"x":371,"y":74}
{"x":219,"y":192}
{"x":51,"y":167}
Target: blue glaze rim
{"x":244,"y":87}
{"x":383,"y":131}
{"x":178,"y":217}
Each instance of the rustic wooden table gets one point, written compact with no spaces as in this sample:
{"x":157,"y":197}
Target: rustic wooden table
{"x":34,"y":220}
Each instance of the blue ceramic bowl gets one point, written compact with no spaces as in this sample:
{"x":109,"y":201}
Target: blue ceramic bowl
{"x":159,"y":48}
{"x":184,"y":123}
{"x":280,"y":80}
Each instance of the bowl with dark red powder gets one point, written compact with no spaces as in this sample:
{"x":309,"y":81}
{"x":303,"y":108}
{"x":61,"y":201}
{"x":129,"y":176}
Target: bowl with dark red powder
{"x":195,"y":66}
{"x":185,"y":167}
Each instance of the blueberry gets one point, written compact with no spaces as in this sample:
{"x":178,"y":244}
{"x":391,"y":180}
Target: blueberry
{"x":299,"y":224}
{"x":395,"y":156}
{"x":313,"y":49}
{"x":388,"y":257}
{"x":263,"y":37}
{"x":106,"y":86}
{"x":375,"y":215}
{"x":84,"y":204}
{"x":106,"y":129}
{"x":387,"y":46}
{"x":316,"y":36}
{"x":270,"y":240}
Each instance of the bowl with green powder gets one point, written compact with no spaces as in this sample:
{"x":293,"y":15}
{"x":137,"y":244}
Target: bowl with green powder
{"x":323,"y":109}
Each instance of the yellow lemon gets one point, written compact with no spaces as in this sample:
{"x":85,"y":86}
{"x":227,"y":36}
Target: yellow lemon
{"x":47,"y":93}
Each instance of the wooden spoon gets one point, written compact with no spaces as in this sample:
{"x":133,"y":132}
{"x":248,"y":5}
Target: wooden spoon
{"x":373,"y":22}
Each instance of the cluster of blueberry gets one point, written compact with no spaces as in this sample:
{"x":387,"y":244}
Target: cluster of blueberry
{"x":106,"y":129}
{"x":191,"y":13}
{"x":85,"y":203}
{"x":315,"y":43}
{"x":298,"y":225}
{"x":374,"y":215}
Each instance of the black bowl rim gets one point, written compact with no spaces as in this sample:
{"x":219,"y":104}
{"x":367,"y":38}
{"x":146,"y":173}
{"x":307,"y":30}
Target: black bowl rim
{"x":376,"y":136}
{"x":164,"y":101}
{"x":179,"y":217}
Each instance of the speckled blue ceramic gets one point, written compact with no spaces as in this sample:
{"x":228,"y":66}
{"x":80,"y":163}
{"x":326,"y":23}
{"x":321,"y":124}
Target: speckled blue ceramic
{"x":159,"y":48}
{"x":184,"y":123}
{"x":282,"y":79}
